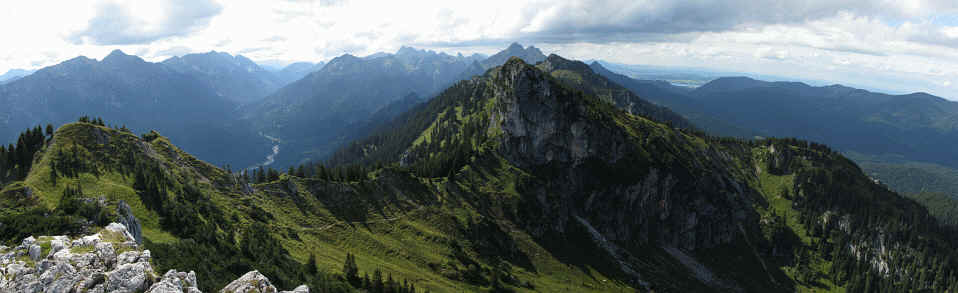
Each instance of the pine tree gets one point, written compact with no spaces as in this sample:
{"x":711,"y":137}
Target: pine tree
{"x":390,"y":284}
{"x":377,"y":282}
{"x":351,"y":270}
{"x":311,"y":267}
{"x":367,"y":284}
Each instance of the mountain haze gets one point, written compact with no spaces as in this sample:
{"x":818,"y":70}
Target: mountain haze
{"x":14,"y":74}
{"x":677,"y":99}
{"x":132,"y":92}
{"x":916,"y":126}
{"x":233,"y":77}
{"x":297,"y":71}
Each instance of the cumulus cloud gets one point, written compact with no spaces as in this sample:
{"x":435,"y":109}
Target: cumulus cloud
{"x":116,"y":23}
{"x":605,"y":18}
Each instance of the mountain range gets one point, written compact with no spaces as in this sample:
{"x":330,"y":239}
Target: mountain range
{"x":318,"y":113}
{"x":539,"y":177}
{"x":517,"y":172}
{"x":135,"y":93}
{"x":14,"y":74}
{"x":887,"y":134}
{"x":232,"y":77}
{"x":309,"y":113}
{"x":296,"y":71}
{"x":915,"y":126}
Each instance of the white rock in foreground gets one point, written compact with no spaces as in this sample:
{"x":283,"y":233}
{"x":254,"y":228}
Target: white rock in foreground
{"x":92,"y":264}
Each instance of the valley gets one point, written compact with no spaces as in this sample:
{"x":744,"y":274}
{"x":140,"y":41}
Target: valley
{"x":503,"y":181}
{"x":355,"y":146}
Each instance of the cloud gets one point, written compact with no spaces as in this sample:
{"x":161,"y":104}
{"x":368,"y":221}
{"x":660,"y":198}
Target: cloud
{"x":771,"y":54}
{"x":276,"y":38}
{"x":636,"y":20}
{"x":116,"y":23}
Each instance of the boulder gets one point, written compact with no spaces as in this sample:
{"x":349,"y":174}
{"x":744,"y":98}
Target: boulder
{"x":28,"y":241}
{"x":300,"y":289}
{"x":131,"y":277}
{"x":93,"y":281}
{"x":59,"y":277}
{"x":34,"y":252}
{"x":106,"y":253}
{"x":57,"y":245}
{"x":251,"y":282}
{"x":175,"y":282}
{"x":127,"y":257}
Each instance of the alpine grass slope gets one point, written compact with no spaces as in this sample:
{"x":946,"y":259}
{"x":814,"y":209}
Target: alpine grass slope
{"x":517,"y":180}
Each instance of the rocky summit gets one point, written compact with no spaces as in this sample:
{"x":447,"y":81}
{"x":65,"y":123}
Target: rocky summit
{"x":108,"y":261}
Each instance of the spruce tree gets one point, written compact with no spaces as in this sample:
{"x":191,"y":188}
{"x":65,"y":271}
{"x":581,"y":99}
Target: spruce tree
{"x":351,"y":270}
{"x":311,"y":267}
{"x":377,"y":282}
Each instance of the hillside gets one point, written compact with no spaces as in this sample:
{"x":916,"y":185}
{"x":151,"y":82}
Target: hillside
{"x":915,"y":126}
{"x":191,"y":215}
{"x":574,"y":176}
{"x":900,"y":140}
{"x":513,"y":181}
{"x":678,"y":100}
{"x":580,"y":76}
{"x":315,"y":115}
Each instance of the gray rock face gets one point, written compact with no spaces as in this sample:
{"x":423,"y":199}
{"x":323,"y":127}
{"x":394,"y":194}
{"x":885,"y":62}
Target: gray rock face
{"x":300,"y":289}
{"x":255,"y":282}
{"x":687,"y":200}
{"x":125,"y":217}
{"x":130,"y":277}
{"x":249,"y":283}
{"x":35,"y":252}
{"x":91,"y":264}
{"x":175,"y":282}
{"x":88,"y":264}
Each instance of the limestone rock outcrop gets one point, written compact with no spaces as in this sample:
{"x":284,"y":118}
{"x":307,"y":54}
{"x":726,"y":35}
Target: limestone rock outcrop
{"x":108,"y":261}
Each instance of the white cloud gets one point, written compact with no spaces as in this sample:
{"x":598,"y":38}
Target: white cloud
{"x":142,"y":22}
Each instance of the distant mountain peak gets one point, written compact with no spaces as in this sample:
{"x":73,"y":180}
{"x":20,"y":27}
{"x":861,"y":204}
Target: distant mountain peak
{"x":116,"y":52}
{"x":408,"y":50}
{"x":530,"y":55}
{"x":345,"y":58}
{"x":117,"y":56}
{"x":375,"y":55}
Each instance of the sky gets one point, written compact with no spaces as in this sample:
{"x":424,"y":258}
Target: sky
{"x":898,"y":46}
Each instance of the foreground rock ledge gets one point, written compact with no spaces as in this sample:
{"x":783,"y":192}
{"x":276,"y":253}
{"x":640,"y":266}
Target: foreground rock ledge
{"x":108,"y":261}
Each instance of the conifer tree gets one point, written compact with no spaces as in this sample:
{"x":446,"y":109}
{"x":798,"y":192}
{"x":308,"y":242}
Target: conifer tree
{"x":351,"y":270}
{"x":311,"y":267}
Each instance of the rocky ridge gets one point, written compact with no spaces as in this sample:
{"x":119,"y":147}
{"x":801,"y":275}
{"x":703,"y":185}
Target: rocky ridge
{"x":108,"y":261}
